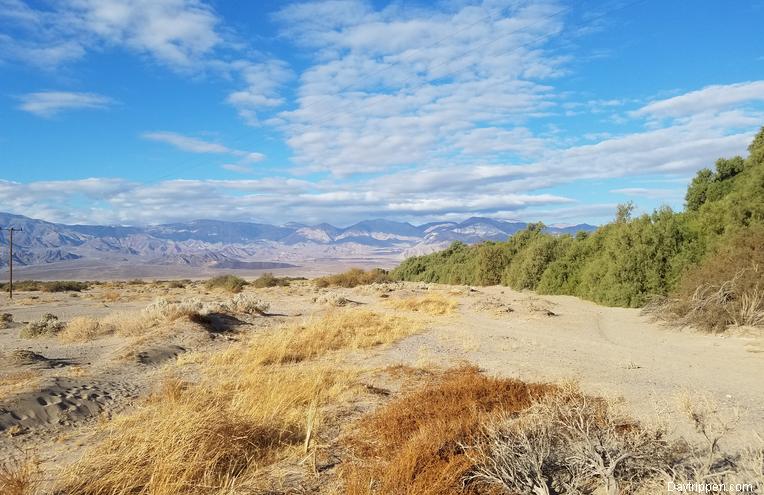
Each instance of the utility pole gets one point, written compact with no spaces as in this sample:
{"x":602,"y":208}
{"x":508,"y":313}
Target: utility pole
{"x":10,"y":257}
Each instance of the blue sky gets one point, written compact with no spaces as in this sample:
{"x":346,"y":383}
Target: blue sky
{"x":149,"y":111}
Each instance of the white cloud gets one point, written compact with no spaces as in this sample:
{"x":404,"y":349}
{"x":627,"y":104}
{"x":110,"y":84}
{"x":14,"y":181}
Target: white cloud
{"x":50,"y":103}
{"x":710,"y":98}
{"x":401,"y":86}
{"x":239,"y":169}
{"x":651,"y":193}
{"x":187,"y":36}
{"x":196,"y":145}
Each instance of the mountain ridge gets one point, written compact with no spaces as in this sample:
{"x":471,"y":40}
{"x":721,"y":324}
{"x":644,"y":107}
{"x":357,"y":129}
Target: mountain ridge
{"x":206,"y":242}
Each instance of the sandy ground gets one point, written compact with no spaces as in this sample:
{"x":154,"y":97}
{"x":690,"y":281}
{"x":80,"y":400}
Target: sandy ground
{"x":51,"y":403}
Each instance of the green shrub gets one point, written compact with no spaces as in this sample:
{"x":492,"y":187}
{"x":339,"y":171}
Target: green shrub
{"x":54,"y":286}
{"x":230,"y":283}
{"x":268,"y":280}
{"x":628,"y":261}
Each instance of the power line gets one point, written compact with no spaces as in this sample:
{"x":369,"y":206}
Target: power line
{"x":10,"y":257}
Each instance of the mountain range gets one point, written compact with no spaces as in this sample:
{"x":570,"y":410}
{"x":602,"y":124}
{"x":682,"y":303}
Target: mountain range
{"x":233,"y":245}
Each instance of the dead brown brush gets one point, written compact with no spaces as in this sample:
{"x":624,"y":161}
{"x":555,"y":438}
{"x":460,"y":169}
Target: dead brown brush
{"x":568,"y":442}
{"x":435,"y":305}
{"x":414,"y":444}
{"x":20,"y":477}
{"x":726,"y":289}
{"x":338,"y":329}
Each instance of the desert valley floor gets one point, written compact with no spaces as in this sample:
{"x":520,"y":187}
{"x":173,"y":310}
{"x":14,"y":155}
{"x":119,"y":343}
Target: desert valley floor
{"x":58,"y":396}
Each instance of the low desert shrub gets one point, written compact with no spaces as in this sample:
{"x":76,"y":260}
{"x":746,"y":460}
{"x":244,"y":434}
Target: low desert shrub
{"x":20,"y":477}
{"x":414,"y":444}
{"x":338,"y":329}
{"x":568,"y":442}
{"x":47,"y":326}
{"x":230,"y":283}
{"x":726,"y":289}
{"x":353,"y":278}
{"x":269,"y":280}
{"x":435,"y":305}
{"x":245,"y":304}
{"x":64,"y":286}
{"x":177,"y":284}
{"x":84,"y":328}
{"x":54,"y":286}
{"x":5,"y":320}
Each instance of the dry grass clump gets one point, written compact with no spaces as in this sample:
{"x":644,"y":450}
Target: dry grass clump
{"x":207,"y":437}
{"x":20,"y":477}
{"x":229,"y":283}
{"x":568,"y":443}
{"x":85,"y":328}
{"x":727,"y":289}
{"x":353,"y":278}
{"x":435,"y":305}
{"x":5,"y":320}
{"x":47,"y":326}
{"x":161,"y":311}
{"x":714,"y":307}
{"x":110,"y":296}
{"x":347,"y":329}
{"x":414,"y":444}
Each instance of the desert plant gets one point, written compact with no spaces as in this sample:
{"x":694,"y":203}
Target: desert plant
{"x":568,"y":442}
{"x":269,"y":280}
{"x":353,"y":278}
{"x":47,"y":326}
{"x":414,"y":444}
{"x":435,"y":305}
{"x":246,"y":304}
{"x":20,"y":476}
{"x":230,"y":283}
{"x":83,"y":329}
{"x":338,"y":329}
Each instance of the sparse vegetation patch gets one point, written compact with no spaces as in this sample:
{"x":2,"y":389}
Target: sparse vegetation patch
{"x":353,"y":278}
{"x":230,"y":283}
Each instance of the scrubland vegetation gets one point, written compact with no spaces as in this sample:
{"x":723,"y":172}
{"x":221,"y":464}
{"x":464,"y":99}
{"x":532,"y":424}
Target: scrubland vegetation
{"x":353,"y":278}
{"x":53,"y":286}
{"x":700,"y":262}
{"x":230,"y":283}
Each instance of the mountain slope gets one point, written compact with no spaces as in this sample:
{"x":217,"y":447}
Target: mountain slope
{"x":238,"y":244}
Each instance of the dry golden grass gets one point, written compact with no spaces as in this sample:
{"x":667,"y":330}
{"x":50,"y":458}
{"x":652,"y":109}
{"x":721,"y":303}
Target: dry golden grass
{"x":199,"y":439}
{"x":110,"y":296}
{"x":84,"y":328}
{"x":339,"y":329}
{"x":413,"y":445}
{"x":435,"y":305}
{"x":244,"y":414}
{"x":20,"y":477}
{"x":127,"y":323}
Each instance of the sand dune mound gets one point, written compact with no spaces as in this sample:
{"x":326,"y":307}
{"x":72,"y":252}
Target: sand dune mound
{"x":63,"y":401}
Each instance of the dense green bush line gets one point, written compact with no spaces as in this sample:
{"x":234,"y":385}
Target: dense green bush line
{"x":624,"y":263}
